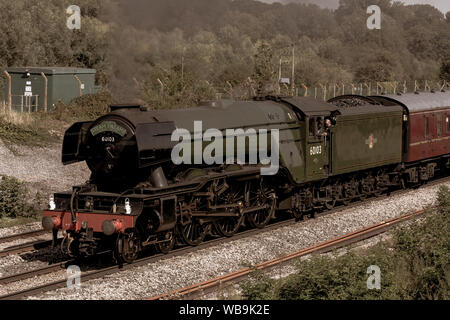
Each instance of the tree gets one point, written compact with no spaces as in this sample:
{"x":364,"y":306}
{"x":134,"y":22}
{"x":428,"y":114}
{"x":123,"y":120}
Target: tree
{"x":264,"y":72}
{"x":445,"y":70}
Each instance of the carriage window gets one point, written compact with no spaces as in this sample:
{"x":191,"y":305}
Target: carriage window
{"x":427,"y":128}
{"x":439,"y":125}
{"x":447,"y":124}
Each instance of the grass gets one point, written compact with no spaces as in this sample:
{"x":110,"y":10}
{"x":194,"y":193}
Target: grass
{"x":23,"y":129}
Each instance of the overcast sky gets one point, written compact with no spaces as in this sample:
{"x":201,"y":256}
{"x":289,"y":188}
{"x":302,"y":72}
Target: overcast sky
{"x":443,"y":5}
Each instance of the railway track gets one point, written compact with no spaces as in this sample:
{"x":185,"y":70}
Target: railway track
{"x":339,"y":242}
{"x":24,"y":235}
{"x":26,"y":247}
{"x":95,"y":274}
{"x":33,"y":273}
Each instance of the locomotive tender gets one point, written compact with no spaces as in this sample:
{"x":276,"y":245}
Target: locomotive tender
{"x":137,"y":197}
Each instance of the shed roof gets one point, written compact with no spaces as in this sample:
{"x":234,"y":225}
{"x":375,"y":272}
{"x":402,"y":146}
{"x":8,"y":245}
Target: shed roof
{"x":423,"y":101}
{"x":51,"y":70}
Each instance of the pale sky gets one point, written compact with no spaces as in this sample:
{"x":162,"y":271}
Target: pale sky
{"x":443,"y":5}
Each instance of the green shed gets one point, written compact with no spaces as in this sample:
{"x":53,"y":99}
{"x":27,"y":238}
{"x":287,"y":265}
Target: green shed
{"x":30,"y":89}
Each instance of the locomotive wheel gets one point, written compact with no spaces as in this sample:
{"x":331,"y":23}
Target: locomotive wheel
{"x":228,"y":226}
{"x":127,"y":248}
{"x":330,"y":204}
{"x":193,"y":233}
{"x":167,"y":246}
{"x":261,"y":195}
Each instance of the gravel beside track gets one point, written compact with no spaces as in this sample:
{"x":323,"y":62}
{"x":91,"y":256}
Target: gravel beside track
{"x":181,"y":271}
{"x":5,"y":232}
{"x":44,"y":173}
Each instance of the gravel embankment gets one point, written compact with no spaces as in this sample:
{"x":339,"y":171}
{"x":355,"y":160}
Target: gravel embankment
{"x":41,"y":168}
{"x":233,"y":291}
{"x":5,"y":232}
{"x":177,"y":272}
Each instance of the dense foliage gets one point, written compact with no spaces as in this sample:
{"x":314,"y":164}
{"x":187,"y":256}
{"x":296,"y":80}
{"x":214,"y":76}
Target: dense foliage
{"x":15,"y":200}
{"x":176,"y":52}
{"x":414,"y":265}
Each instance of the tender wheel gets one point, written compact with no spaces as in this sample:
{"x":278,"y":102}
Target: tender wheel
{"x":127,"y":247}
{"x":331,"y":194}
{"x":349,"y":193}
{"x":193,"y":233}
{"x":260,"y":195}
{"x":167,"y":246}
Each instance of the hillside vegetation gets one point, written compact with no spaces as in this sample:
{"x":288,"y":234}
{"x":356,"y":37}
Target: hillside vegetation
{"x":172,"y":53}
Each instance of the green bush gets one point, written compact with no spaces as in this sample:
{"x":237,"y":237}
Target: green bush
{"x":13,"y":199}
{"x":414,"y":265}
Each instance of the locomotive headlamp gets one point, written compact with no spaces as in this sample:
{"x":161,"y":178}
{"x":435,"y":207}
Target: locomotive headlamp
{"x":127,"y":206}
{"x":51,"y":203}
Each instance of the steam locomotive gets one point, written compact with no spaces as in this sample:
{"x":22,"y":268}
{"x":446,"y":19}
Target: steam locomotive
{"x":137,"y":197}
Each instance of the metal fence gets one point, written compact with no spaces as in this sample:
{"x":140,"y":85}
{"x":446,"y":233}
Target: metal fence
{"x":22,"y":103}
{"x":328,"y":91}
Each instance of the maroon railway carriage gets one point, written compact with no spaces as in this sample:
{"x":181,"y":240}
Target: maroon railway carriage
{"x":427,"y":129}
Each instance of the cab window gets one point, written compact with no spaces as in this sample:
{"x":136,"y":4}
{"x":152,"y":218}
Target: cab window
{"x":312,"y":127}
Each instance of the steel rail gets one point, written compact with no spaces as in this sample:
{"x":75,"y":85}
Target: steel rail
{"x":33,"y":273}
{"x":23,"y":235}
{"x":26,"y":247}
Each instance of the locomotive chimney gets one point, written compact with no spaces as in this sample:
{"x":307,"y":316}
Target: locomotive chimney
{"x":158,"y":179}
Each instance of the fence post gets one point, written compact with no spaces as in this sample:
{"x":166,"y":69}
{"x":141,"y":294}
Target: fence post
{"x":231,"y":89}
{"x":368,"y":90}
{"x":79,"y":85}
{"x":9,"y":90}
{"x":306,"y":90}
{"x":324,"y":91}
